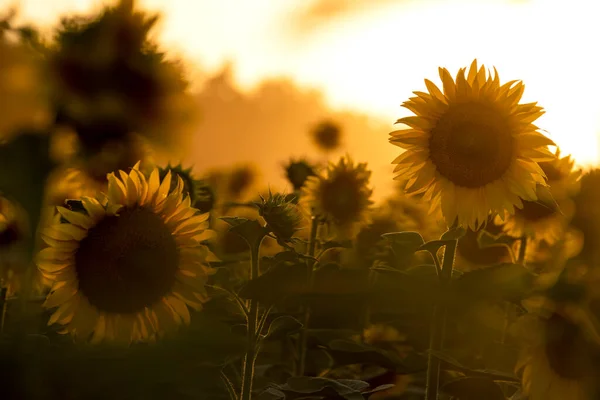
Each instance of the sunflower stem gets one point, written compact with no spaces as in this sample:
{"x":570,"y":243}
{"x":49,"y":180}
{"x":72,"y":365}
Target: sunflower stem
{"x":251,"y":334}
{"x":3,"y":307}
{"x":228,"y":385}
{"x":438,"y":323}
{"x":522,"y":250}
{"x":367,"y":313}
{"x":303,"y":339}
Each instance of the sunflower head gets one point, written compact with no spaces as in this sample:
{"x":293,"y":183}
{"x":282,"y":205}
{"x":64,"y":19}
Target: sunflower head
{"x":471,"y":149}
{"x":200,"y":193}
{"x":562,"y":176}
{"x":23,"y":92}
{"x":297,"y":172}
{"x":586,"y":218}
{"x":239,"y":180}
{"x":327,"y":135}
{"x":11,"y":231}
{"x":124,"y":86}
{"x":341,"y":197}
{"x":546,"y":219}
{"x":127,"y":268}
{"x":117,"y":155}
{"x":558,"y":359}
{"x":282,"y":216}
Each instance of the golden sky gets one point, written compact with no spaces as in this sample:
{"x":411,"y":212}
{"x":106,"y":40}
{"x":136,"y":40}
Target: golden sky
{"x":370,"y":55}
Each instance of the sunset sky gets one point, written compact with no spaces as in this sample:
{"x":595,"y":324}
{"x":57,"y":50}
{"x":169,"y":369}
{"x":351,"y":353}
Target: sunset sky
{"x":370,"y":55}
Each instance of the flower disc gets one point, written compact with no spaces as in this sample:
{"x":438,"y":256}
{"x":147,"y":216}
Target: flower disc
{"x":127,"y":267}
{"x":472,"y":149}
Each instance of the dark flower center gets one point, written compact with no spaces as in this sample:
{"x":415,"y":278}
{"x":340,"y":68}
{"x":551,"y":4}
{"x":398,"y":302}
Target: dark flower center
{"x":340,"y":198}
{"x":566,"y":349}
{"x":327,"y":135}
{"x":127,"y":262}
{"x":472,"y":144}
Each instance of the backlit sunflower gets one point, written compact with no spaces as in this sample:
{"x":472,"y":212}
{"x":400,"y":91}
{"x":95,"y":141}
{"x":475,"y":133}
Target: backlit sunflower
{"x":544,"y":222}
{"x":13,"y":235}
{"x":471,"y":149}
{"x":341,"y":197}
{"x":558,"y":361}
{"x":128,"y":268}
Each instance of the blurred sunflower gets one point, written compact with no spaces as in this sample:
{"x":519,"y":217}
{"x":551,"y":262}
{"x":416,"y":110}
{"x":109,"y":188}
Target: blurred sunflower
{"x":587,"y":215}
{"x":399,"y":213}
{"x":297,"y":172}
{"x":239,"y":180}
{"x":125,"y":85}
{"x":327,"y":135}
{"x":558,"y":361}
{"x":24,"y":97}
{"x":201,"y":193}
{"x":13,"y":233}
{"x":283,"y":218}
{"x":128,"y":268}
{"x":341,"y":198}
{"x":540,"y":220}
{"x":471,"y":149}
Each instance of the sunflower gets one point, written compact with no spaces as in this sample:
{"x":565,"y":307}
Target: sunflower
{"x":558,"y":361}
{"x":128,"y":268}
{"x":23,"y":96}
{"x":341,"y":198}
{"x":471,"y":149}
{"x":327,"y":135}
{"x":587,"y":215}
{"x":297,"y":172}
{"x":544,"y":222}
{"x":126,"y":85}
{"x":201,"y":193}
{"x":13,"y":234}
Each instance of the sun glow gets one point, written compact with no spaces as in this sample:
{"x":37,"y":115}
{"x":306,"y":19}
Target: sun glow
{"x":372,"y":58}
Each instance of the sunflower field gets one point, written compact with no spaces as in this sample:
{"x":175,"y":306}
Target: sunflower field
{"x":126,"y":277}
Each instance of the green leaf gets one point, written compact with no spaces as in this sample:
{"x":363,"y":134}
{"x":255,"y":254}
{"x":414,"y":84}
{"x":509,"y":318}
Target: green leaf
{"x":333,"y":244}
{"x":404,"y":244}
{"x":249,"y":229}
{"x":433,"y":246}
{"x":316,"y":387}
{"x":504,"y":281}
{"x":455,"y":365}
{"x":486,"y":239}
{"x":347,"y":352}
{"x":277,"y":283}
{"x":454,"y":233}
{"x":380,"y":388}
{"x":473,"y":388}
{"x":283,"y":326}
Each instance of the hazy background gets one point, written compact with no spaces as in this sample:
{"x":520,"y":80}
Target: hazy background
{"x":265,"y":71}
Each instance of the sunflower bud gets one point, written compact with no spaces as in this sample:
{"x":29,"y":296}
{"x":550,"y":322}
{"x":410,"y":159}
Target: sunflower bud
{"x":282,"y":216}
{"x":298,"y":171}
{"x":327,"y":136}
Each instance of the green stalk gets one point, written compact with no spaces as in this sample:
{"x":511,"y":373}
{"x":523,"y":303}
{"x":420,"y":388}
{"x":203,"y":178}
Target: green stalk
{"x":251,"y":334}
{"x":436,"y":339}
{"x":522,"y":251}
{"x":507,"y":305}
{"x":303,"y":339}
